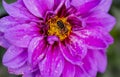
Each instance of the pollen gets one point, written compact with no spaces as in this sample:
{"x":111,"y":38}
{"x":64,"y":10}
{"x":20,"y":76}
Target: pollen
{"x":59,"y":27}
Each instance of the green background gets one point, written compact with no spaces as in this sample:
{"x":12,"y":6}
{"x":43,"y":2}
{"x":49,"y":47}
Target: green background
{"x":113,"y":68}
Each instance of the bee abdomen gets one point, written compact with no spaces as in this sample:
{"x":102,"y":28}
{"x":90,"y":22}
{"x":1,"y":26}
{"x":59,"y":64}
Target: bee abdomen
{"x":60,"y":24}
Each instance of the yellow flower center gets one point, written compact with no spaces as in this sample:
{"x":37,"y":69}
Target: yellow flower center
{"x":59,"y":27}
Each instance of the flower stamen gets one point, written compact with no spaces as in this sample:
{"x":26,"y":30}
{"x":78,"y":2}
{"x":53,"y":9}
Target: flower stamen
{"x":59,"y":27}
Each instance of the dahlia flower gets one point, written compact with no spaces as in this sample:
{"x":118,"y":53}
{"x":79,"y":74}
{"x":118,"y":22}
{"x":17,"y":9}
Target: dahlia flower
{"x":56,"y":38}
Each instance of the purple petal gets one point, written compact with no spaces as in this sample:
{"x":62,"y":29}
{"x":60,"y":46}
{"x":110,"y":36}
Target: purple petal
{"x":21,"y":35}
{"x":76,"y":22}
{"x":80,"y":73}
{"x":76,"y":46}
{"x":27,"y":75}
{"x":89,"y":65}
{"x":104,"y":6}
{"x":58,"y":4}
{"x":21,"y":70}
{"x":32,"y":74}
{"x":39,"y":7}
{"x":9,"y":22}
{"x":101,"y":19}
{"x":37,"y":50}
{"x":85,"y":6}
{"x":74,"y":50}
{"x":61,"y":7}
{"x":18,"y":10}
{"x":14,"y":57}
{"x":101,"y":59}
{"x":107,"y":37}
{"x":52,"y":39}
{"x":3,"y":42}
{"x":92,"y":38}
{"x":53,"y":63}
{"x":78,"y":3}
{"x":69,"y":70}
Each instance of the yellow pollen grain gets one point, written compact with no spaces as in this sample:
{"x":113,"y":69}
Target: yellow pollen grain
{"x":54,"y":29}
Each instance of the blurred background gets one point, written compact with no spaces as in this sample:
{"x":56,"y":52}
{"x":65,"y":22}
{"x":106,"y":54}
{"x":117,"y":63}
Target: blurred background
{"x":113,"y":68}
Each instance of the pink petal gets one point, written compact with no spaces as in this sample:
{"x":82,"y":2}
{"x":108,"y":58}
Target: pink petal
{"x":92,"y":38}
{"x":101,"y":59}
{"x":107,"y":37}
{"x":39,"y":7}
{"x":69,"y":70}
{"x":32,"y":74}
{"x":36,"y":50}
{"x":61,"y":7}
{"x":21,"y":35}
{"x":74,"y":50}
{"x":53,"y":63}
{"x":74,"y":20}
{"x":80,"y":73}
{"x":89,"y":65}
{"x":104,"y":6}
{"x":52,"y":39}
{"x":78,"y":3}
{"x":3,"y":42}
{"x":9,"y":22}
{"x":101,"y":19}
{"x":58,"y":4}
{"x":15,"y":57}
{"x":76,"y":47}
{"x":77,"y":22}
{"x":85,"y":6}
{"x":21,"y":70}
{"x":18,"y":10}
{"x":27,"y":75}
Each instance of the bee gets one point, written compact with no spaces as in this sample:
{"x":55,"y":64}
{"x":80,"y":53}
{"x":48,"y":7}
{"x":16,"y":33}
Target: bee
{"x":62,"y":26}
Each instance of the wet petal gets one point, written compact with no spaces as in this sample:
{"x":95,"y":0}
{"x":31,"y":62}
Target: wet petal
{"x":15,"y":57}
{"x":101,"y":19}
{"x":39,"y":7}
{"x":76,"y":46}
{"x":18,"y":10}
{"x":92,"y":38}
{"x":37,"y":50}
{"x":53,"y":63}
{"x":74,"y":50}
{"x":21,"y":35}
{"x":105,"y":35}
